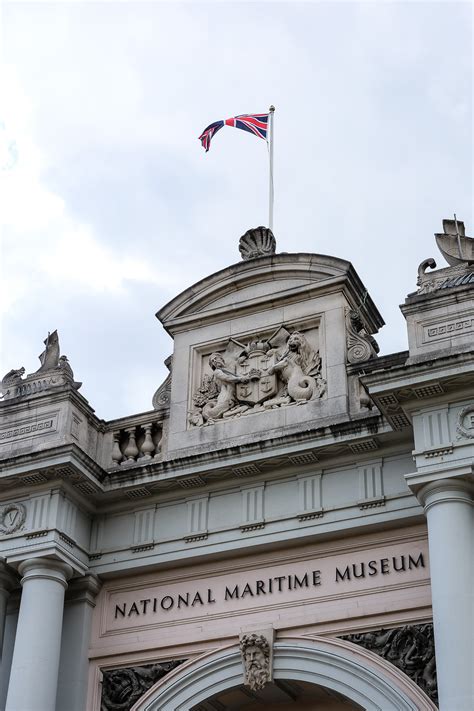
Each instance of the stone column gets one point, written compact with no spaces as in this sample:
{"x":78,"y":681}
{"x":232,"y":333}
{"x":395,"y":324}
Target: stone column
{"x":74,"y":664}
{"x":34,"y":672}
{"x":7,"y":583}
{"x":450,"y":514}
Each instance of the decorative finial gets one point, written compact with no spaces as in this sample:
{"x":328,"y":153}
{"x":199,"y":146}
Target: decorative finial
{"x":257,"y":242}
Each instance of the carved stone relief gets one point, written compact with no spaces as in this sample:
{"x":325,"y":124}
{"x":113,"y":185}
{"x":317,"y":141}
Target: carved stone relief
{"x":262,"y":374}
{"x":256,"y":653}
{"x":465,"y":424}
{"x":54,"y":370}
{"x":360,"y":345}
{"x":29,"y":427}
{"x":12,"y":518}
{"x":162,"y":396}
{"x":121,"y":688}
{"x":410,"y":648}
{"x":458,"y":250}
{"x":257,"y":242}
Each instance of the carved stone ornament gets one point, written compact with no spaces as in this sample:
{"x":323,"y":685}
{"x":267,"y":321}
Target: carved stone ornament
{"x":283,"y":370}
{"x":12,"y":518}
{"x":54,"y":370}
{"x":410,"y":648}
{"x":465,"y":424}
{"x":441,"y":278}
{"x":162,"y":396}
{"x":255,"y":651}
{"x":458,"y":250}
{"x":121,"y":688}
{"x":360,"y":345}
{"x":257,"y":242}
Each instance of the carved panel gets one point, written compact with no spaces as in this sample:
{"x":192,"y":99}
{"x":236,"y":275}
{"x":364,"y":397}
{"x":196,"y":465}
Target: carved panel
{"x":69,"y":517}
{"x":447,"y":329}
{"x":197,"y":519}
{"x":12,"y":518}
{"x":143,"y":526}
{"x":121,"y":688}
{"x":410,"y":648}
{"x":30,"y":427}
{"x":436,"y":428}
{"x":371,"y":484}
{"x":252,"y":508}
{"x":267,"y":372}
{"x":310,"y":496}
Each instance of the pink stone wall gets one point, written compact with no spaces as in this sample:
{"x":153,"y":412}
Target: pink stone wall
{"x":331,"y":587}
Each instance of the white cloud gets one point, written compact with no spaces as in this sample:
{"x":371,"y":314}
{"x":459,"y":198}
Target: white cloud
{"x":111,"y":194}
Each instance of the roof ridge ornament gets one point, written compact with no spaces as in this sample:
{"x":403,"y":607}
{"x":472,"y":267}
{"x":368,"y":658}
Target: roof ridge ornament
{"x":54,"y":371}
{"x":257,"y":242}
{"x":458,"y":250}
{"x":453,"y":243}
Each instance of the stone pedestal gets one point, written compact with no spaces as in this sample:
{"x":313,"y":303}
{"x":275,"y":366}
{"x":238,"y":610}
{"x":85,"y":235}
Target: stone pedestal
{"x":450,"y":513}
{"x":34,"y":672}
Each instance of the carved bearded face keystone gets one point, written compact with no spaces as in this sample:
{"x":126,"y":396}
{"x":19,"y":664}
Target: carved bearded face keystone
{"x":256,"y":658}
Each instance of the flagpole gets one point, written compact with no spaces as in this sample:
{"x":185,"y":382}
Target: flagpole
{"x":271,"y":111}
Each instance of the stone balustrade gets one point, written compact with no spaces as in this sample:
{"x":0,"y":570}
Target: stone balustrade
{"x":136,"y":444}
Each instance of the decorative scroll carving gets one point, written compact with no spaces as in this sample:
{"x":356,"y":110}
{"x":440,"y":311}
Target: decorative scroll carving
{"x":410,"y":648}
{"x":244,"y":379}
{"x":255,"y":651}
{"x":121,"y":688}
{"x":257,"y":242}
{"x":12,"y":518}
{"x":360,"y":345}
{"x":162,"y":396}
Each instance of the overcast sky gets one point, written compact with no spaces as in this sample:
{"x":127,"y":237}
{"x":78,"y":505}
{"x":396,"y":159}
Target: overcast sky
{"x":111,"y":207}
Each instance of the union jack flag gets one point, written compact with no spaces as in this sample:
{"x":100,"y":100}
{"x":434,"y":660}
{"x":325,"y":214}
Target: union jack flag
{"x":253,"y":123}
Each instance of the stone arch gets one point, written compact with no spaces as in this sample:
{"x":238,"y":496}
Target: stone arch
{"x":359,"y":675}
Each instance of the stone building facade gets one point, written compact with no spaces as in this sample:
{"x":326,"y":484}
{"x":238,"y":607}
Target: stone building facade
{"x":290,"y":526}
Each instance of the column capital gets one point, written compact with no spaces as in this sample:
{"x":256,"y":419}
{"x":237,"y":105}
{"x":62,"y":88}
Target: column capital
{"x":45,"y":568}
{"x":445,"y":491}
{"x":441,"y":476}
{"x":84,"y":589}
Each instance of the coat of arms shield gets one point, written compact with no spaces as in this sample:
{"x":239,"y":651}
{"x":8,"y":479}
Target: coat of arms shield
{"x":261,"y":386}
